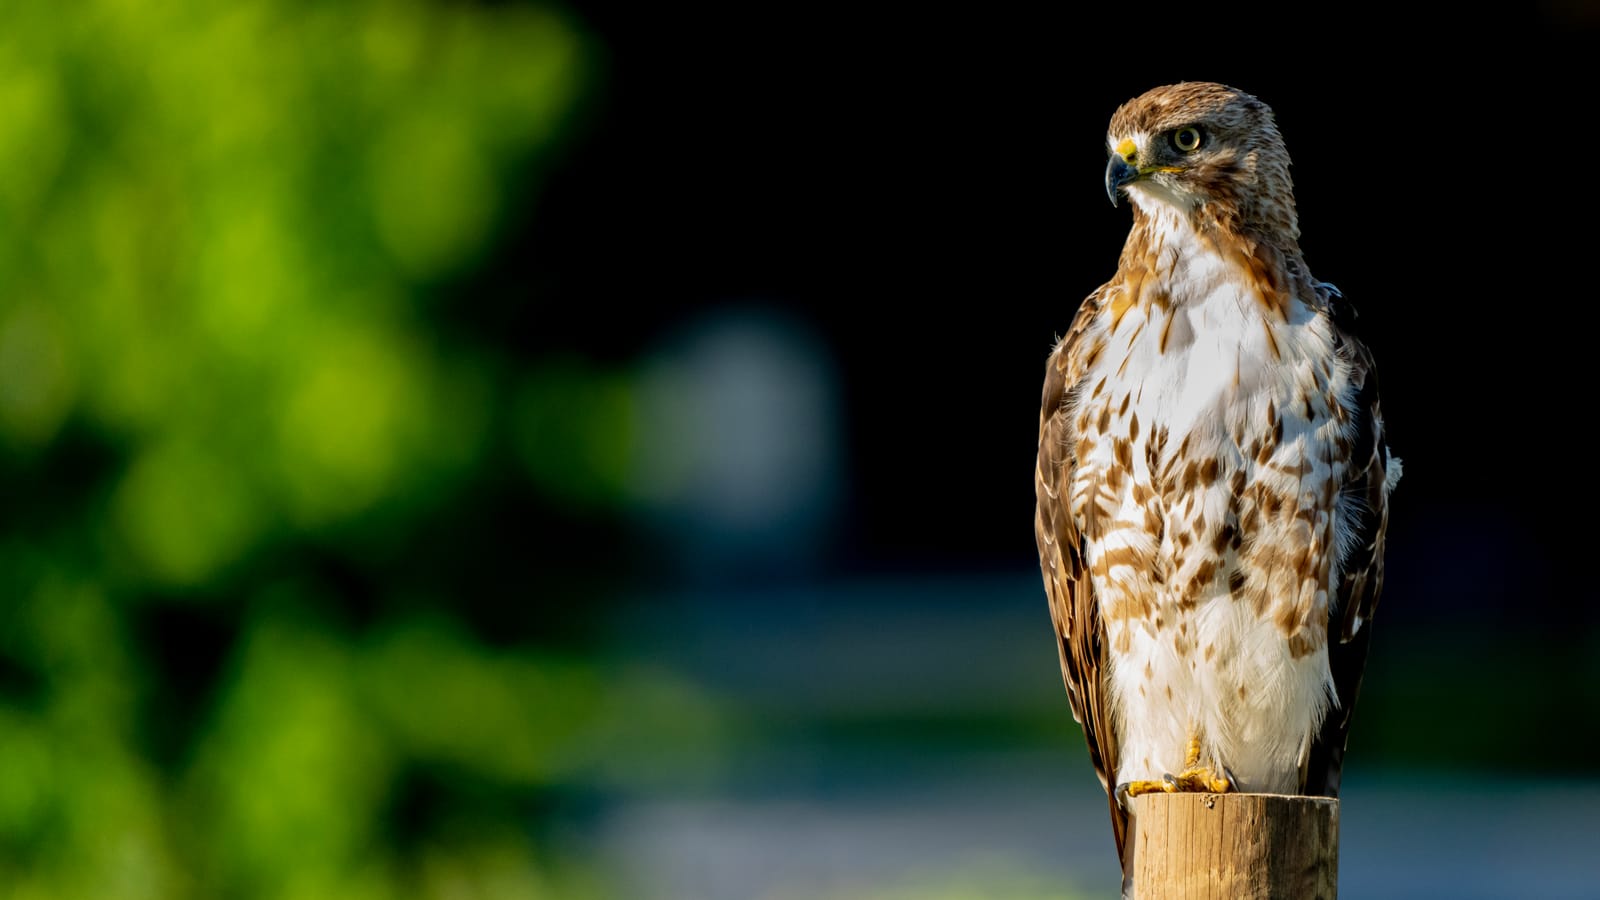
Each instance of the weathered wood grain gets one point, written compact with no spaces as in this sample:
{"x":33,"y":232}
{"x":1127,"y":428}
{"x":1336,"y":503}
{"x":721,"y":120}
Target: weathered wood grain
{"x":1235,"y":847}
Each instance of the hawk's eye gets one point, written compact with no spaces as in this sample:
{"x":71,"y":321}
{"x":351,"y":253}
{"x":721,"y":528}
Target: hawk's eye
{"x":1186,"y":139}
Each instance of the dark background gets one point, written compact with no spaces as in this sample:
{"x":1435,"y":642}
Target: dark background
{"x":926,"y":193}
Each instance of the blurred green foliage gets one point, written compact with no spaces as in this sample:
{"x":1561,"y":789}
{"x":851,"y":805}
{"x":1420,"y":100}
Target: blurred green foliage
{"x":223,"y":229}
{"x":221,"y":221}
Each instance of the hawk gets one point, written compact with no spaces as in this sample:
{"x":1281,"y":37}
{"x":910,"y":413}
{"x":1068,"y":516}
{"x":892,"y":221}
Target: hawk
{"x":1213,"y":479}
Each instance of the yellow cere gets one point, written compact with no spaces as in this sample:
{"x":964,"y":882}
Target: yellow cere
{"x":1127,"y":149}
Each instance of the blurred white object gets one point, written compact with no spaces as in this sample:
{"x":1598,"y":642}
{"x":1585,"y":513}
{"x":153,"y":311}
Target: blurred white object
{"x":738,"y":440}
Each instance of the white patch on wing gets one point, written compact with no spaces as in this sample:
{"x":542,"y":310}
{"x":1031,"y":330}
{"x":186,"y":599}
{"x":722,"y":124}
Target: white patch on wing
{"x":1391,"y":474}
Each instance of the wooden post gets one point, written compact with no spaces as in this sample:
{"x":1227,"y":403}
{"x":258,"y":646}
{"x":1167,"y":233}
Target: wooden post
{"x":1235,"y":847}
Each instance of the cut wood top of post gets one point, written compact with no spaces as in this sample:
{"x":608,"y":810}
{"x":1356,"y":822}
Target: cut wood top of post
{"x":1202,"y":846}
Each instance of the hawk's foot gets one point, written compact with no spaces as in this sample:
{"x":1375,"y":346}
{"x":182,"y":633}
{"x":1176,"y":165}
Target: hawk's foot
{"x":1201,"y":779}
{"x":1195,"y":778}
{"x":1129,"y":789}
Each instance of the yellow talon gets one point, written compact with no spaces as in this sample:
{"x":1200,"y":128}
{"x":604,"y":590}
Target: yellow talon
{"x":1194,"y":779}
{"x":1201,"y":779}
{"x":1135,"y":788}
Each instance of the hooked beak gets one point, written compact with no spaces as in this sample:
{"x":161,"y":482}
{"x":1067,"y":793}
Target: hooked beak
{"x":1118,"y":174}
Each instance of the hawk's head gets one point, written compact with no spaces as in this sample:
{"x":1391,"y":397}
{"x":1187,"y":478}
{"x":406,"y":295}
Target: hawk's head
{"x":1205,"y":150}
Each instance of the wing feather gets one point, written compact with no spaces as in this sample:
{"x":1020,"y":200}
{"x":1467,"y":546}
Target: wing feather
{"x":1073,"y":607}
{"x":1368,"y":480}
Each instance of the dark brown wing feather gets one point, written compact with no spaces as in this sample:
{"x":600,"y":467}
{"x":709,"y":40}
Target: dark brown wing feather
{"x":1350,"y":626}
{"x":1073,"y":607}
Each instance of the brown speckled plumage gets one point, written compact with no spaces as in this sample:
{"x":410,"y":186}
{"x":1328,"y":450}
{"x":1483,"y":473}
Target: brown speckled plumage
{"x":1212,"y":477}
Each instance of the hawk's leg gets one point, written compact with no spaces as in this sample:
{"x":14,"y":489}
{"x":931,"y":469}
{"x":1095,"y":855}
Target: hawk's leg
{"x":1194,"y":778}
